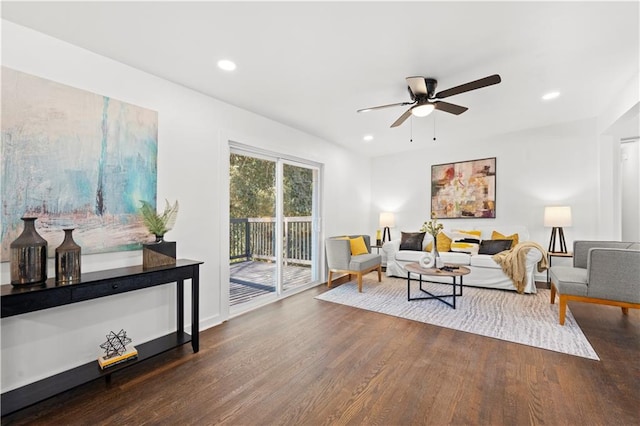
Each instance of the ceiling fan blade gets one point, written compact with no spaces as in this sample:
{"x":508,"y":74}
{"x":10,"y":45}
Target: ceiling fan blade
{"x":417,"y":85}
{"x":384,"y":106}
{"x":473,"y":85}
{"x":450,"y":108}
{"x":402,"y":118}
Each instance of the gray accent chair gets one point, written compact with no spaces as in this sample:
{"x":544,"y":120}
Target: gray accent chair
{"x":340,"y":260}
{"x":603,"y":272}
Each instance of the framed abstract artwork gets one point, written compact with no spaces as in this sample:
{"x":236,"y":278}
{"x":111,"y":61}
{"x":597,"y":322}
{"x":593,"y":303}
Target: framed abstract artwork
{"x":466,"y":189}
{"x":75,"y":159}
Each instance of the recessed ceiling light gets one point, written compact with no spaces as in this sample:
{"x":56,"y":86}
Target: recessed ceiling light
{"x":550,"y":95}
{"x":227,"y":65}
{"x":368,"y":138}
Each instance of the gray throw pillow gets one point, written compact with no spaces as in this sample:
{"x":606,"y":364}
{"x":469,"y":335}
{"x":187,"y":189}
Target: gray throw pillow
{"x":494,"y":246}
{"x":412,"y":241}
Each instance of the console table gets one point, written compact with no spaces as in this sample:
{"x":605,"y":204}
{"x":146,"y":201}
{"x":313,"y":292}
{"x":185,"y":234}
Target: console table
{"x":20,"y":300}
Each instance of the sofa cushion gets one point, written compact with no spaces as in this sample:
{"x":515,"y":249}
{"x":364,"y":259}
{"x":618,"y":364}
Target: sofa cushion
{"x":409,"y":255}
{"x":455,"y":257}
{"x":484,"y":261}
{"x":494,"y":246}
{"x":412,"y":241}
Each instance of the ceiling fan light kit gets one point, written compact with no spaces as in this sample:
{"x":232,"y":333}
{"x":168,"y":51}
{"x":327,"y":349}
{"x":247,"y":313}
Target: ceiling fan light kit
{"x":422,"y":110}
{"x":424,"y":99}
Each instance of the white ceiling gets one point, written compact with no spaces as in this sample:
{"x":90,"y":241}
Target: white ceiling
{"x":312,"y":65}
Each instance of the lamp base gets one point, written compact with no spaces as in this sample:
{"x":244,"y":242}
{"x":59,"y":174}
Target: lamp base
{"x":386,"y":233}
{"x":552,"y":241}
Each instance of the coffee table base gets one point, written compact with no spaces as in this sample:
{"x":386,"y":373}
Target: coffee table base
{"x":439,"y":297}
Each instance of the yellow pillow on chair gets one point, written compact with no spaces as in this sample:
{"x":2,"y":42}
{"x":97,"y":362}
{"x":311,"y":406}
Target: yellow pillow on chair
{"x":358,"y":246}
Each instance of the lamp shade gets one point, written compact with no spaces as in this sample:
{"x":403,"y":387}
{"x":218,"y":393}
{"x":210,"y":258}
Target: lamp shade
{"x":557,"y":216}
{"x":387,"y":219}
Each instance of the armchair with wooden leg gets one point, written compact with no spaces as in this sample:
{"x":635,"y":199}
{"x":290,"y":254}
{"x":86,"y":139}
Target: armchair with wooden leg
{"x":603,"y":272}
{"x":352,"y":255}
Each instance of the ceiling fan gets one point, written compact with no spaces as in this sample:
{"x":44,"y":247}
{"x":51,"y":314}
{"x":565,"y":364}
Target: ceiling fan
{"x":424,"y":99}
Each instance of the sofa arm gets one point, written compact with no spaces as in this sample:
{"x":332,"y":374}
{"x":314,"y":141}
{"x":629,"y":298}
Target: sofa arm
{"x":390,"y":248}
{"x":614,"y":274}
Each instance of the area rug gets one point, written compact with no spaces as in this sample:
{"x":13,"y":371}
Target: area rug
{"x":528,"y":319}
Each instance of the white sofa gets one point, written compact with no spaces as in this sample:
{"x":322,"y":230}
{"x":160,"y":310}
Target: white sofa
{"x":485,"y":272}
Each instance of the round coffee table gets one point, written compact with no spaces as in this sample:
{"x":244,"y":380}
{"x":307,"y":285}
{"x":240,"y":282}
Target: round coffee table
{"x":456,"y":273}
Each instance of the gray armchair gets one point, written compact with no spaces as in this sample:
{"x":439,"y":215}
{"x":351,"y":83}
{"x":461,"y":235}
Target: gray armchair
{"x":604,"y":272}
{"x":339,"y":259}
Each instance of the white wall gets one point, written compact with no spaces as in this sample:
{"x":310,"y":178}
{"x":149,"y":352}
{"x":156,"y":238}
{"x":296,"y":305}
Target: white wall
{"x":192,"y":134}
{"x":555,"y":165}
{"x":535,"y":167}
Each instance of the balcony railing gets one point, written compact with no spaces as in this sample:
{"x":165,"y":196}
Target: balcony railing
{"x":253,"y":239}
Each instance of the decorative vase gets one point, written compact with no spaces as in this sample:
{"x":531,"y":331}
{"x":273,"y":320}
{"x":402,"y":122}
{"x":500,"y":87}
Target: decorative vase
{"x":436,"y":255}
{"x":28,"y":256}
{"x":68,"y":259}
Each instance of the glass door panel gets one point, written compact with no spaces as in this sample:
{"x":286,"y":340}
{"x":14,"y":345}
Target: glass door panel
{"x":252,"y":232}
{"x":298,"y":224}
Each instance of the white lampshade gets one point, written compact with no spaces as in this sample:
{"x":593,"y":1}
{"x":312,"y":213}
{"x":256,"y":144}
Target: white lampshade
{"x":422,"y":110}
{"x":557,"y":216}
{"x":387,"y":219}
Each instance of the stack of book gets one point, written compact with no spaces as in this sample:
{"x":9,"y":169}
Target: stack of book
{"x":129,"y":355}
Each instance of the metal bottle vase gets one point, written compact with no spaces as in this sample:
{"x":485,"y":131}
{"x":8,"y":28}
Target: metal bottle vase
{"x":68,"y":259}
{"x":28,"y":256}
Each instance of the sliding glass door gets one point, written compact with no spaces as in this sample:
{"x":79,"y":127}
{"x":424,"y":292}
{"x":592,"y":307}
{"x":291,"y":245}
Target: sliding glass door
{"x":273,"y":229}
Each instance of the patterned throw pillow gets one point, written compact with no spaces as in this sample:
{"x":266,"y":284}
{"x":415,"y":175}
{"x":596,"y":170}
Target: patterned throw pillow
{"x":412,"y":241}
{"x":495,"y":235}
{"x":466,"y":241}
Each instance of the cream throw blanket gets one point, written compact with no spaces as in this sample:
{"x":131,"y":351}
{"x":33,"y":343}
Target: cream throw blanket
{"x":514,"y":262}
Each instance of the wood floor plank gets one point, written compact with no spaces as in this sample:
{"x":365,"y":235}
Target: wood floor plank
{"x":301,"y":361}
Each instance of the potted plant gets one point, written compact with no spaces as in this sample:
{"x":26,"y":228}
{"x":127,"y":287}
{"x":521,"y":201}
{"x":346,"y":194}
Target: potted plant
{"x":159,"y":224}
{"x":160,"y":252}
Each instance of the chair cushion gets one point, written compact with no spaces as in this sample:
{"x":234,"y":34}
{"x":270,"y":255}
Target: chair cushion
{"x":569,"y":280}
{"x":364,"y":261}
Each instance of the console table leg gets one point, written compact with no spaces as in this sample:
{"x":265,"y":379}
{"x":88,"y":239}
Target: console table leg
{"x":180,"y":305}
{"x":195,"y":308}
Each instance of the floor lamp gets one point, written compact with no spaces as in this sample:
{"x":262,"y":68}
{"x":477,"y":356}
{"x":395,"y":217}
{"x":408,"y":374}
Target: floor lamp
{"x":557,"y":217}
{"x":387,"y":220}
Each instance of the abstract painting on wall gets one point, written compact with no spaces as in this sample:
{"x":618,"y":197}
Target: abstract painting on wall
{"x":466,"y":189}
{"x":75,"y":159}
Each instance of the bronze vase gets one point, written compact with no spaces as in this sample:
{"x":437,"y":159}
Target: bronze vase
{"x":68,"y":259}
{"x":28,"y":256}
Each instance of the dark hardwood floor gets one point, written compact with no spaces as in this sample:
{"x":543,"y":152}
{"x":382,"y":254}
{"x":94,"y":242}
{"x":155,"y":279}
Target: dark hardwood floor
{"x":310,"y":362}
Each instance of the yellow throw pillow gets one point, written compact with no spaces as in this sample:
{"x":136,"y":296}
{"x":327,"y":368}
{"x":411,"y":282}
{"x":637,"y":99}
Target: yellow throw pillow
{"x":495,"y":235}
{"x":443,"y":243}
{"x":358,"y":246}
